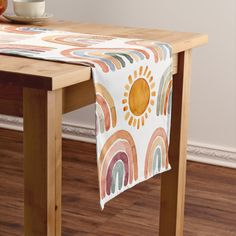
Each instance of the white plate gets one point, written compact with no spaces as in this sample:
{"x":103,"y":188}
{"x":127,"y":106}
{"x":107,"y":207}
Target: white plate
{"x":22,"y":19}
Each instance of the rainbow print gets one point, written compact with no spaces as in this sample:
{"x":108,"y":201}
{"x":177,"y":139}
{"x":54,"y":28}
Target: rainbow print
{"x":105,"y":109}
{"x":77,"y":40}
{"x":117,"y":164}
{"x":26,"y":50}
{"x":157,"y":153}
{"x":164,"y":98}
{"x":22,"y":30}
{"x":108,"y":59}
{"x":160,"y":51}
{"x":133,"y":97}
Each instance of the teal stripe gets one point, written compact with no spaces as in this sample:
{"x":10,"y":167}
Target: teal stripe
{"x":157,"y":161}
{"x":117,"y":172}
{"x":115,"y":55}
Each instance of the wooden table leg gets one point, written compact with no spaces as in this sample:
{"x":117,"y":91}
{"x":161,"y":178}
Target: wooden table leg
{"x":173,"y":182}
{"x":42,"y":162}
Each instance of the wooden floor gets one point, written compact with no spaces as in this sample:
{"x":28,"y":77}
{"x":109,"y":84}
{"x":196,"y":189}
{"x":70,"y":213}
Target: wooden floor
{"x":210,"y":200}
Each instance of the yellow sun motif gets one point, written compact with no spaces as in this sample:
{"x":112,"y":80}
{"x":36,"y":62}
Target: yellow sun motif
{"x":139,"y":97}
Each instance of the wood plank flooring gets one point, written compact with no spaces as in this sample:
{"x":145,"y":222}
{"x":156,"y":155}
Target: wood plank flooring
{"x":210,"y":200}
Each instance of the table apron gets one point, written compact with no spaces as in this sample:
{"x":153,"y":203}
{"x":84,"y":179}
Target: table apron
{"x":74,"y":96}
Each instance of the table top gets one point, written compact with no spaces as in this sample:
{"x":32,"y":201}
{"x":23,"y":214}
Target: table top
{"x":54,"y":75}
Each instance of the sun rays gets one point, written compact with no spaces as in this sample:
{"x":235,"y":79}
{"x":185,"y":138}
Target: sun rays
{"x":139,"y":97}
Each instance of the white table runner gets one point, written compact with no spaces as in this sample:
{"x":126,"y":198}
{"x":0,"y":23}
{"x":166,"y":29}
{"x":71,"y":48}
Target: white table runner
{"x":133,"y":84}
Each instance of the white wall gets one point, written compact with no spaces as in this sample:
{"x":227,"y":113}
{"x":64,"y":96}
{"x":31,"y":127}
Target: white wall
{"x":213,"y":94}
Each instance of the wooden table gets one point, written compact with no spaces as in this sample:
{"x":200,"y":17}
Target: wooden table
{"x":41,"y":91}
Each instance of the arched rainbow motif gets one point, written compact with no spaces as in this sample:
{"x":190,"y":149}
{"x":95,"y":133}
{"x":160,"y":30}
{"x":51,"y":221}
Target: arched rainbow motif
{"x":160,"y":51}
{"x":117,"y":163}
{"x":77,"y":40}
{"x":23,"y":30}
{"x":157,"y":153}
{"x":105,"y":109}
{"x":18,"y":49}
{"x":164,"y":98}
{"x":109,"y":59}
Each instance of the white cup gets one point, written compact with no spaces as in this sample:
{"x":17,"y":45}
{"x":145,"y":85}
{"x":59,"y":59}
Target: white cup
{"x":29,"y":8}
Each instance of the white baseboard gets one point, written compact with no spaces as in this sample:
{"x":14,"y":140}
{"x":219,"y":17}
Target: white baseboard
{"x":203,"y":153}
{"x":69,"y":131}
{"x":212,"y":155}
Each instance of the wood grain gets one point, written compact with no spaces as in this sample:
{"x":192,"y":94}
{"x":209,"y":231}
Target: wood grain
{"x":11,"y":99}
{"x":43,"y":136}
{"x":210,"y":197}
{"x":54,"y":75}
{"x":77,"y":96}
{"x":11,"y":96}
{"x":42,"y":163}
{"x":173,"y":182}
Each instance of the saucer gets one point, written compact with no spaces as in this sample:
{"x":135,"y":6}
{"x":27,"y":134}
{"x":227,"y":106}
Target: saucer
{"x":23,"y":19}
